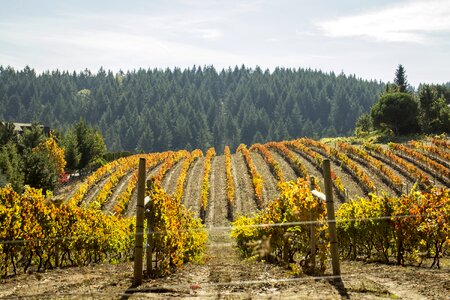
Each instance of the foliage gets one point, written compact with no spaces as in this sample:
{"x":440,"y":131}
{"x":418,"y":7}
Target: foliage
{"x":176,"y":237}
{"x":11,"y":165}
{"x":257,"y":180}
{"x":156,"y":110}
{"x":34,"y":233}
{"x":297,"y":164}
{"x":398,"y":111}
{"x":187,"y":163}
{"x":295,"y":207}
{"x":231,"y":197}
{"x":400,"y":79}
{"x":268,"y":158}
{"x":55,"y":152}
{"x":204,"y":193}
{"x":407,"y":228}
{"x":89,"y":143}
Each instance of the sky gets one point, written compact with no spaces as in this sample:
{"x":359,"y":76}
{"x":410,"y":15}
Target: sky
{"x":366,"y":38}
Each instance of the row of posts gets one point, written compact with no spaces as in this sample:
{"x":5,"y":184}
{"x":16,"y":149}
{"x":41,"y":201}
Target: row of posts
{"x":328,"y":198}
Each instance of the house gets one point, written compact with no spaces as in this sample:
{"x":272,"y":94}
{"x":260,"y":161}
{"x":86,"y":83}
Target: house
{"x":20,"y":127}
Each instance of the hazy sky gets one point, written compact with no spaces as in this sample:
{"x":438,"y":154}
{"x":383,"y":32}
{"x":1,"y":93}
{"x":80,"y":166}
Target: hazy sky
{"x":361,"y":37}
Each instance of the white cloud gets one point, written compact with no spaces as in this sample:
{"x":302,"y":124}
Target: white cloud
{"x":413,"y":21}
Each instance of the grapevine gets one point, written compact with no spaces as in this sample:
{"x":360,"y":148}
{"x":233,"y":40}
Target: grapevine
{"x":256,"y":177}
{"x":230,"y":183}
{"x":187,"y":163}
{"x":299,"y":168}
{"x":274,"y":166}
{"x":204,"y":194}
{"x":347,"y":163}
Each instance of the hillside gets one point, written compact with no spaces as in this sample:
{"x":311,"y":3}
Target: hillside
{"x":360,"y":169}
{"x":357,"y":171}
{"x":158,"y":110}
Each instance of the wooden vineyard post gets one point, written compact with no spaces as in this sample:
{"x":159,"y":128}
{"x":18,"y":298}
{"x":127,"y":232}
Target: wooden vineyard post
{"x":149,"y":252}
{"x":313,"y":234}
{"x":331,"y":218}
{"x":139,"y":237}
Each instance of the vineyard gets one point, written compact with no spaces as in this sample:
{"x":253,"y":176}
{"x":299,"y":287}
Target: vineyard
{"x":219,"y":189}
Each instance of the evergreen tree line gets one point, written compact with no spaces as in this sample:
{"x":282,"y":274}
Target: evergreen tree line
{"x":156,"y":110}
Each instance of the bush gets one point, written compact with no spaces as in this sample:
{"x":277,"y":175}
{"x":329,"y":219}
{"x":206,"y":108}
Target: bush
{"x":285,"y":244}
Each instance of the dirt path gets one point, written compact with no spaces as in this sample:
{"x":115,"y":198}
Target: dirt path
{"x":224,"y":275}
{"x":191,"y":196}
{"x":289,"y":173}
{"x":216,"y":214}
{"x":171,"y":179}
{"x":111,"y":201}
{"x":245,"y":199}
{"x":270,"y":191}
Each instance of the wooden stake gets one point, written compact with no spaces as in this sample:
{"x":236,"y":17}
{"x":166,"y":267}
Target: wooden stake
{"x":331,"y":218}
{"x":312,"y":235}
{"x":139,"y":238}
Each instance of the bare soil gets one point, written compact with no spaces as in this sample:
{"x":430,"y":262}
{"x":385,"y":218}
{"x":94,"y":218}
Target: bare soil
{"x":122,"y":184}
{"x":217,"y":209}
{"x":245,"y":198}
{"x":225,"y":275}
{"x":191,"y":196}
{"x":170,"y":180}
{"x":270,"y":191}
{"x":288,"y":172}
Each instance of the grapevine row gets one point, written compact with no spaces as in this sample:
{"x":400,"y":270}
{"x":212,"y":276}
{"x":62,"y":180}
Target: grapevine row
{"x":390,"y":177}
{"x":91,"y":180}
{"x":204,"y":193}
{"x":431,"y":149}
{"x":405,"y":167}
{"x":299,"y":168}
{"x":257,"y":180}
{"x":347,"y":163}
{"x":268,"y":158}
{"x":444,"y":173}
{"x":441,"y":143}
{"x":125,"y":165}
{"x":37,"y":234}
{"x":187,"y":163}
{"x":173,"y":158}
{"x":317,"y":160}
{"x":124,"y":198}
{"x":230,"y":184}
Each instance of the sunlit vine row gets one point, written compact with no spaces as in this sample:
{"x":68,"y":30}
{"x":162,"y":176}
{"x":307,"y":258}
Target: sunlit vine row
{"x":257,"y":180}
{"x":346,"y":162}
{"x":187,"y":163}
{"x":441,"y":143}
{"x":230,"y":183}
{"x":293,"y":160}
{"x":435,"y":150}
{"x":124,"y":197}
{"x":268,"y":158}
{"x":317,"y":160}
{"x":443,"y":172}
{"x":125,"y":165}
{"x":36,"y":234}
{"x":405,"y":167}
{"x":204,"y":193}
{"x":91,"y":180}
{"x":373,"y":163}
{"x":423,"y":233}
{"x":173,"y":158}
